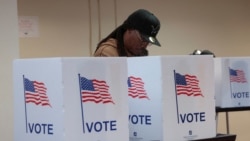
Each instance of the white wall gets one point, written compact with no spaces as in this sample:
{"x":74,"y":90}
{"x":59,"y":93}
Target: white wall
{"x":8,"y":51}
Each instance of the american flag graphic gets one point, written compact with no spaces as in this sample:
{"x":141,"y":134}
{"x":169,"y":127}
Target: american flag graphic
{"x":96,"y":91}
{"x":136,"y":88}
{"x":237,"y":76}
{"x":187,"y":85}
{"x":35,"y":92}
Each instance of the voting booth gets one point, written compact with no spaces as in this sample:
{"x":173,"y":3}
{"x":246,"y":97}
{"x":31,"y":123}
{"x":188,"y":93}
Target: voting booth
{"x":70,"y":99}
{"x":171,"y":98}
{"x":232,"y":81}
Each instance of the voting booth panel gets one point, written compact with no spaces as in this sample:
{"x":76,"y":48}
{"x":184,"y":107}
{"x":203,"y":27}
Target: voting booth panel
{"x":232,"y":81}
{"x":64,"y":99}
{"x":171,"y":98}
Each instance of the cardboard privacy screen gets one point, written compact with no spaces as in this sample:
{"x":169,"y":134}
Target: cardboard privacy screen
{"x":157,"y":98}
{"x":171,"y":98}
{"x":232,"y":81}
{"x":65,"y":99}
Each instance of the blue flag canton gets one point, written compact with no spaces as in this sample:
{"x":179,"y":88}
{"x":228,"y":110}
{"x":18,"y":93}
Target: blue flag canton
{"x":129,"y":82}
{"x":29,"y":86}
{"x":180,"y":79}
{"x":233,"y":72}
{"x":86,"y":84}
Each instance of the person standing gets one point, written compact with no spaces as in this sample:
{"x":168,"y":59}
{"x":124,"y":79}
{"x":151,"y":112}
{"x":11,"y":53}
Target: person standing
{"x":132,"y":37}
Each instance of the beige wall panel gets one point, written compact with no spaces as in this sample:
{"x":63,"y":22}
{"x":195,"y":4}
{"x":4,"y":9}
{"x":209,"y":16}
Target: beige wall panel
{"x":107,"y":16}
{"x":94,"y":18}
{"x":239,"y":124}
{"x":221,"y":26}
{"x":8,"y":52}
{"x":63,"y":26}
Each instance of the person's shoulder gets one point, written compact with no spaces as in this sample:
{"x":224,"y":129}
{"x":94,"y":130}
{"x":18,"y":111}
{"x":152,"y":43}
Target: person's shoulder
{"x":108,"y":48}
{"x":110,"y":42}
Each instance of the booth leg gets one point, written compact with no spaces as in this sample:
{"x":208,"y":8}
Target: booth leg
{"x":227,"y":123}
